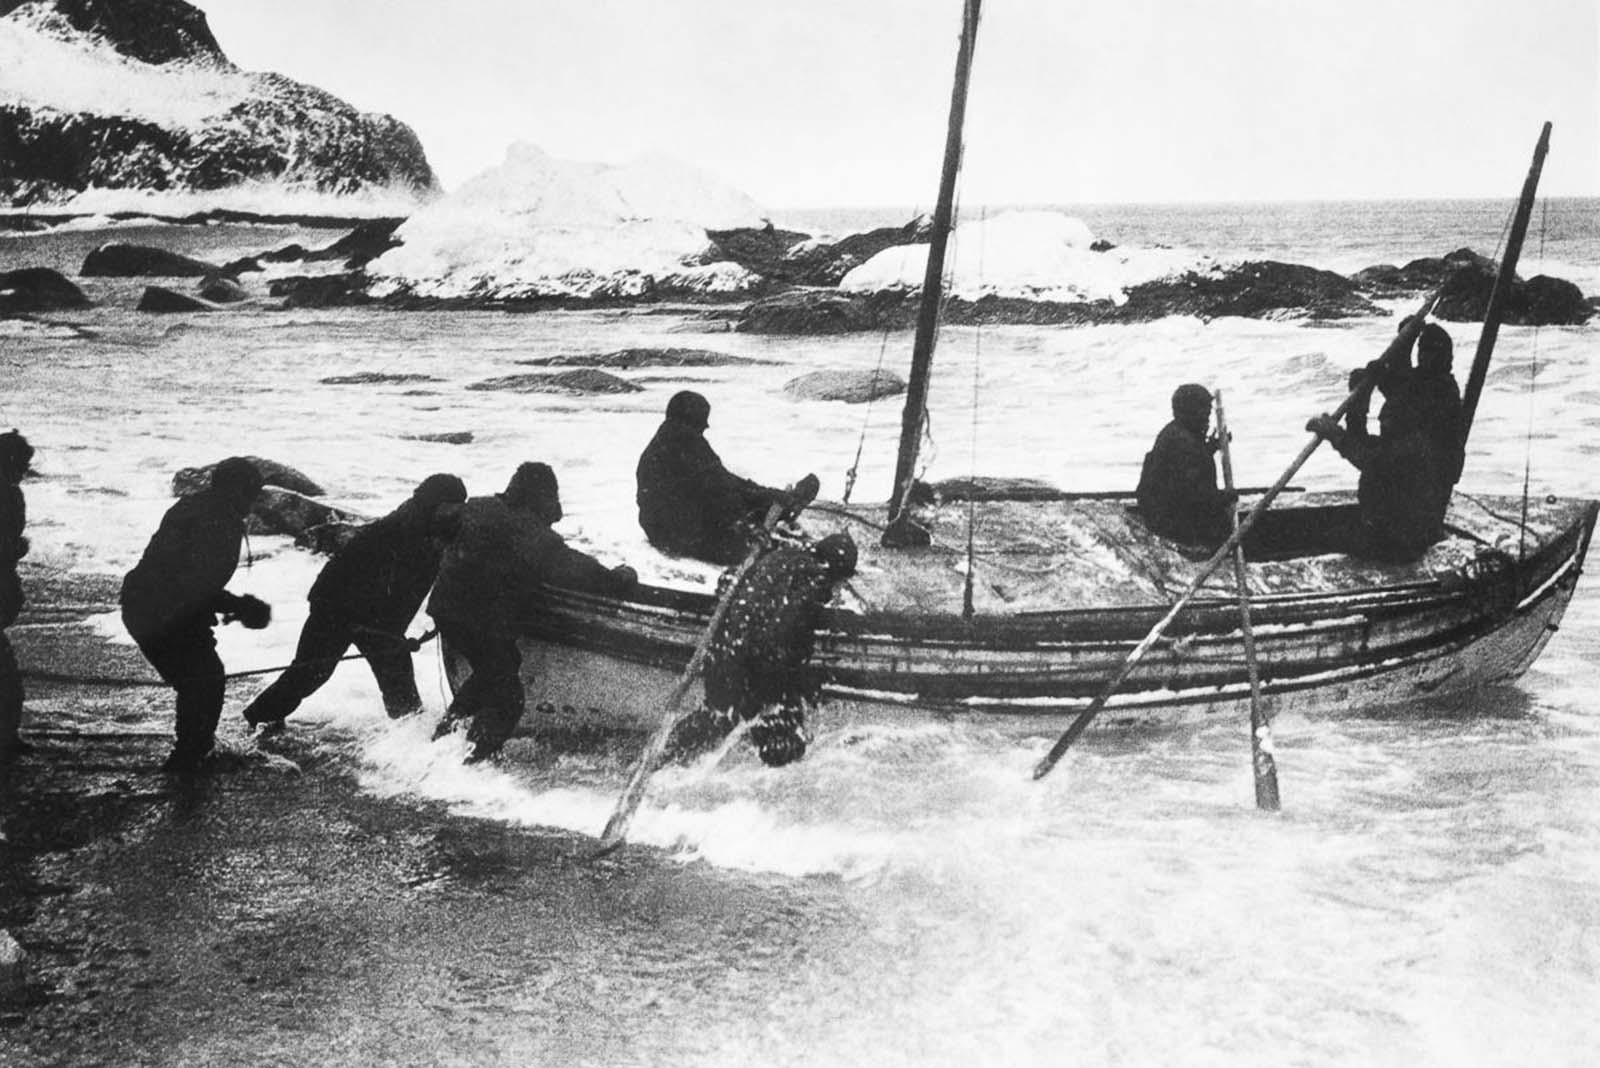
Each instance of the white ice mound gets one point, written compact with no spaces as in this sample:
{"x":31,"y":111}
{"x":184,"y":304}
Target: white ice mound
{"x":1030,"y":255}
{"x":541,"y":226}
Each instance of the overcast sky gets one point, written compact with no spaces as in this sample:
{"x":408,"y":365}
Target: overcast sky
{"x":804,"y":103}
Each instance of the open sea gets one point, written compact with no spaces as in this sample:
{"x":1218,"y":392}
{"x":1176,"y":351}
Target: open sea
{"x":1429,"y":895}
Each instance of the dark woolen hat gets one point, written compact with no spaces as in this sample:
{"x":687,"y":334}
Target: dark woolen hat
{"x":440,"y":489}
{"x":15,"y":453}
{"x":690,"y":407}
{"x":532,"y":485}
{"x":237,"y":475}
{"x":1191,"y":399}
{"x":1435,"y":350}
{"x":837,"y":552}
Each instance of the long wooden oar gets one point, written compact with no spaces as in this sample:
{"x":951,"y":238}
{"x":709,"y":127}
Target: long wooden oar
{"x":628,"y":802}
{"x":1261,"y":759}
{"x":1400,"y":346}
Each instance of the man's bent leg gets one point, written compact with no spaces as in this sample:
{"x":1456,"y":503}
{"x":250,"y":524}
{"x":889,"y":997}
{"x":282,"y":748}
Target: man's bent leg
{"x":389,"y":657}
{"x":323,"y":640}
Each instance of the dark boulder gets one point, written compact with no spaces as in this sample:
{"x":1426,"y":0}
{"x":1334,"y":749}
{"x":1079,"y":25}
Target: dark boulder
{"x":1540,"y":301}
{"x":1426,"y":274}
{"x":376,"y":378}
{"x":222,"y":290}
{"x":159,"y":299}
{"x":190,"y":479}
{"x":328,"y":538}
{"x":851,"y":387}
{"x":321,"y":291}
{"x":37,"y":289}
{"x":629,"y":359}
{"x":584,"y":382}
{"x":1259,"y":289}
{"x":812,"y":312}
{"x":446,"y":437}
{"x":116,"y":260}
{"x":365,"y":243}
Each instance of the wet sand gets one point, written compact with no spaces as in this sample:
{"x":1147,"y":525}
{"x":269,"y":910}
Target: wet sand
{"x":266,"y":911}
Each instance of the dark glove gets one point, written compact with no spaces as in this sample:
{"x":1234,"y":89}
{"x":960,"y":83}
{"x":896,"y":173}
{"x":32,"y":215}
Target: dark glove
{"x":623,"y":578}
{"x":1323,"y":425}
{"x":253,"y":612}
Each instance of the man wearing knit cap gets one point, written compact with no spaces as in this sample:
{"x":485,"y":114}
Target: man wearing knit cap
{"x":758,"y":665}
{"x":1178,"y":495}
{"x":689,"y":503}
{"x":493,"y":574}
{"x":174,"y":594}
{"x":367,"y":596}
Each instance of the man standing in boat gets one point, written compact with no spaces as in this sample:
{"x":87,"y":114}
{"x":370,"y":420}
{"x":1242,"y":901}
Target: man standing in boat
{"x":758,"y":661}
{"x":367,"y":596}
{"x":1405,"y":481}
{"x":1178,"y":494}
{"x":174,"y":594}
{"x":15,"y":456}
{"x":1431,"y":391}
{"x":503,"y":553}
{"x":689,"y":503}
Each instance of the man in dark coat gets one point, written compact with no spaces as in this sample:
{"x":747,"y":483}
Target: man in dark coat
{"x":366,"y":596}
{"x":15,"y":456}
{"x":1177,"y":494}
{"x":503,"y":554}
{"x":758,"y":662}
{"x":1431,"y":391}
{"x":173,"y":595}
{"x":691,"y":505}
{"x":1404,"y":487}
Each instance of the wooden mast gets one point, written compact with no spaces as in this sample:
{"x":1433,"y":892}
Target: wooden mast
{"x":901,"y":530}
{"x":1502,"y":288}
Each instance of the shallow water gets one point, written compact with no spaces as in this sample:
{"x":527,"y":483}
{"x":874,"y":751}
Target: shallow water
{"x":1431,"y":892}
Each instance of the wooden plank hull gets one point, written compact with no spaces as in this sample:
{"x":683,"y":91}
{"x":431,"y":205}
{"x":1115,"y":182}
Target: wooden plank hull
{"x":593,"y":662}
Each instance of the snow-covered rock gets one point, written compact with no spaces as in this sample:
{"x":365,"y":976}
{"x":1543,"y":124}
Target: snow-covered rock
{"x":115,"y":104}
{"x":1029,"y":255}
{"x":541,"y":227}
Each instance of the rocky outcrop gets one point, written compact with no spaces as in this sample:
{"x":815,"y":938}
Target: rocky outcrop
{"x":117,"y":260}
{"x":376,"y":378}
{"x":817,"y":311}
{"x":37,"y":289}
{"x":222,"y":290}
{"x":274,"y":129}
{"x":629,"y":359}
{"x":851,"y":387}
{"x":1465,"y":280}
{"x":586,"y":382}
{"x":321,"y":291}
{"x":161,"y":299}
{"x":787,"y":256}
{"x":1263,"y":289}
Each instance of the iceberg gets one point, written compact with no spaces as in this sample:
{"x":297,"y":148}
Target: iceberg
{"x":539,"y":226}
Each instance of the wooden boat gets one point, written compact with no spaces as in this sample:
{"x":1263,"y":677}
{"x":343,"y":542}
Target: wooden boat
{"x":1020,"y":611}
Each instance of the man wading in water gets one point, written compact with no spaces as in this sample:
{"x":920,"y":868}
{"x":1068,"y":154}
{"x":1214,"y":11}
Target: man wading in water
{"x":758,"y":662}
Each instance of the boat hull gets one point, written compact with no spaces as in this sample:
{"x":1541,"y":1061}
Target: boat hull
{"x":592,"y":662}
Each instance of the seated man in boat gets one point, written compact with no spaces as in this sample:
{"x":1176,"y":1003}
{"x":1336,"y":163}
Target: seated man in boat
{"x":1432,"y":391}
{"x":15,"y":456}
{"x":503,"y":553}
{"x":758,"y":661}
{"x":174,"y":594}
{"x":367,"y":596}
{"x":691,"y":505}
{"x":1405,"y":483}
{"x":1178,"y":494}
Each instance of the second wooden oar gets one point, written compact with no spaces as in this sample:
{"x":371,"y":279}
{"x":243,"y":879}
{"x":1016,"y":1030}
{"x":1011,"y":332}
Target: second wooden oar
{"x":1262,"y":763}
{"x":1401,"y":345}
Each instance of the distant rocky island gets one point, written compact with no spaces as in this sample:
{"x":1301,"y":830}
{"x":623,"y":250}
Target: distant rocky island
{"x":196,"y":123}
{"x":544,"y":233}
